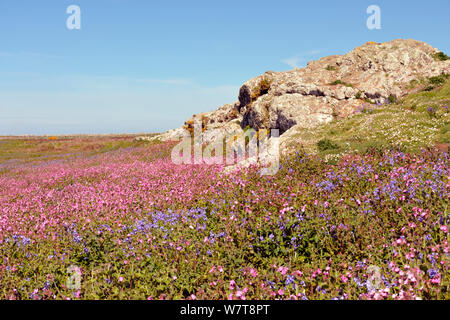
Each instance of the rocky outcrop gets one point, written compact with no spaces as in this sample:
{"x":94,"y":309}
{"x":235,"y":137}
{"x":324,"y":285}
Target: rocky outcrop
{"x":330,"y":87}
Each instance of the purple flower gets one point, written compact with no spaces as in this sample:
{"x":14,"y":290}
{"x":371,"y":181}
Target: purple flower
{"x":433,"y":273}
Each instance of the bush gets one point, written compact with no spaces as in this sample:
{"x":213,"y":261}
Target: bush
{"x":327,"y":144}
{"x":440,"y":56}
{"x":331,"y":68}
{"x":341,"y":82}
{"x":392,"y":99}
{"x":436,"y":81}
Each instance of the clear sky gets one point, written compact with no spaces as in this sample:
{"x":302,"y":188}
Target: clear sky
{"x":146,"y":66}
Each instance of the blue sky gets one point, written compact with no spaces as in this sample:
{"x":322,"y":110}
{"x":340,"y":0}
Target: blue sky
{"x":146,"y":66}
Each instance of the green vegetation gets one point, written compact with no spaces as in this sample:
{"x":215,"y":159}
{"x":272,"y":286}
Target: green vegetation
{"x":413,"y":84}
{"x":420,"y":120}
{"x":326,"y":144}
{"x":440,"y":56}
{"x":392,"y":99}
{"x":132,"y":224}
{"x":334,"y":83}
{"x":331,"y":68}
{"x":358,"y":95}
{"x":436,"y":81}
{"x":29,"y":149}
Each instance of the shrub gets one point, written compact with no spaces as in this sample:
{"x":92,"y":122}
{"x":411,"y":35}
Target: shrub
{"x":436,"y":81}
{"x":341,"y":82}
{"x":392,"y":98}
{"x":326,"y":144}
{"x":440,"y":56}
{"x":331,"y":68}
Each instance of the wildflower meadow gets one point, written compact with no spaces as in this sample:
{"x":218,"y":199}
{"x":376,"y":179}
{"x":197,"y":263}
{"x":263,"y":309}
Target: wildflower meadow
{"x":128,"y":223}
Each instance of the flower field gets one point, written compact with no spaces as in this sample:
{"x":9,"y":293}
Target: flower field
{"x":136,"y":226}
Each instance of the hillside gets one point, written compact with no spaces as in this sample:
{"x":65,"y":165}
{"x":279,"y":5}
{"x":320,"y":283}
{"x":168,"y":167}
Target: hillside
{"x":419,"y":120}
{"x":334,"y":87}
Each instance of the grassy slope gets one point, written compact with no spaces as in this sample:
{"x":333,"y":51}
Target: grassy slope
{"x":407,"y":124}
